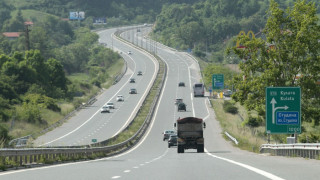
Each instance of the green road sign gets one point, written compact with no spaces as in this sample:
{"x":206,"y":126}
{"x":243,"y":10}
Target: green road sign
{"x":217,"y":81}
{"x":283,"y":110}
{"x":94,"y":140}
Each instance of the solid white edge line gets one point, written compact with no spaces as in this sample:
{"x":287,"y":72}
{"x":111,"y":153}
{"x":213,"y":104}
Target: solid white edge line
{"x":144,"y":95}
{"x":256,"y":170}
{"x":102,"y":159}
{"x":92,"y":115}
{"x":191,"y":89}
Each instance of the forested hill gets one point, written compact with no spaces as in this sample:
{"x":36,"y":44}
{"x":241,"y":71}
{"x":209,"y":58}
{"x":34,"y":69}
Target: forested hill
{"x":126,"y":9}
{"x":208,"y":26}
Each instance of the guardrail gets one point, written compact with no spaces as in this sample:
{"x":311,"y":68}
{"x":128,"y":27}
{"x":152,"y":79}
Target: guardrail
{"x":29,"y":156}
{"x":305,"y":150}
{"x":231,"y":138}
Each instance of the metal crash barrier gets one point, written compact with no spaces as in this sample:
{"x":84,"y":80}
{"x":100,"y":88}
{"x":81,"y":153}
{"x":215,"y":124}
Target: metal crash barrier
{"x":311,"y":151}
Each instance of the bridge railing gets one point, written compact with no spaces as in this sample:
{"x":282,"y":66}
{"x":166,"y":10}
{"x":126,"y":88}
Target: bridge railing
{"x":305,"y":150}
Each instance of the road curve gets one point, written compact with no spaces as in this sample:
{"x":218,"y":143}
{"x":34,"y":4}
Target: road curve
{"x":152,"y":159}
{"x":90,"y":123}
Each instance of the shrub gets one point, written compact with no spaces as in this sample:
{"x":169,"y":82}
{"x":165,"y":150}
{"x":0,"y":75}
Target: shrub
{"x":229,"y":107}
{"x":253,"y":121}
{"x":309,"y":138}
{"x":4,"y":136}
{"x":199,"y":53}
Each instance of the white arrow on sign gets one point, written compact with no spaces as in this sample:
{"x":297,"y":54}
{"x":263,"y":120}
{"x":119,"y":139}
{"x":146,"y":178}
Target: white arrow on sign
{"x":273,"y":102}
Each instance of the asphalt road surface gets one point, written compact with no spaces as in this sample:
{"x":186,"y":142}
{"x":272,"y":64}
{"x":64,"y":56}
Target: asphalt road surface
{"x":152,"y":159}
{"x":90,"y":123}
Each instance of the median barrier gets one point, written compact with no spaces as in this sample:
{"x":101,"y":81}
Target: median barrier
{"x":46,"y":155}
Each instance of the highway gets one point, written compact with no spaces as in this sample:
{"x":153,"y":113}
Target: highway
{"x":89,"y":123}
{"x":152,"y":159}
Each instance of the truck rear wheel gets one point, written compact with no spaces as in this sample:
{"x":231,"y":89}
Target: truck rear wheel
{"x":200,"y":148}
{"x":180,"y":149}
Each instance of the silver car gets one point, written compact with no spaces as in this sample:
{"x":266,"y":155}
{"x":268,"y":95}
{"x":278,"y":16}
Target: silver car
{"x":167,"y":133}
{"x":120,"y":98}
{"x":105,"y":109}
{"x":110,"y":105}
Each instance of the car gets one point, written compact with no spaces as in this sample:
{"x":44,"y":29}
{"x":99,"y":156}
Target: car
{"x":172,"y":141}
{"x":181,"y":84}
{"x":132,"y":80}
{"x":129,"y":52}
{"x":182,"y":107}
{"x":120,"y":98}
{"x":105,"y":109}
{"x":138,"y":30}
{"x":227,"y":93}
{"x":110,"y":105}
{"x":132,"y":91}
{"x":177,"y":101}
{"x":167,"y":133}
{"x":139,"y":73}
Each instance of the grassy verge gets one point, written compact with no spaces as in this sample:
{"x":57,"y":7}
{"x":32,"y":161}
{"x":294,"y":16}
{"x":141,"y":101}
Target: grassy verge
{"x":19,"y":128}
{"x":113,"y":72}
{"x":144,"y":110}
{"x":249,"y":138}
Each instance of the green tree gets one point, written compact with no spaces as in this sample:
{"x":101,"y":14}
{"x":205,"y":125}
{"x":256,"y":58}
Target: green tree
{"x":16,"y":24}
{"x":57,"y":79}
{"x":4,"y":135}
{"x":4,"y":107}
{"x":86,"y":37}
{"x":191,"y":33}
{"x":39,"y":39}
{"x":4,"y":45}
{"x":37,"y":62}
{"x":289,"y":56}
{"x":5,"y":12}
{"x":74,"y":57}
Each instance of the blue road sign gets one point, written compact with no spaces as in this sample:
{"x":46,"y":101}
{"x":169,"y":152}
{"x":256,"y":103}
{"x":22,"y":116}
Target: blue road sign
{"x":287,"y":118}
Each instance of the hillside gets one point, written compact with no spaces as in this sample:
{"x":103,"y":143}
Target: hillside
{"x":208,"y":27}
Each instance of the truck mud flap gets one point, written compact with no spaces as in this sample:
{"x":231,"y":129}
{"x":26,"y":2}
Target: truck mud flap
{"x":180,"y":149}
{"x":200,"y":148}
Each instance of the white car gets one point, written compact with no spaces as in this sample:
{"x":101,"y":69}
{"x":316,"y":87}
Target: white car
{"x":120,"y":98}
{"x":105,"y":109}
{"x":110,"y":105}
{"x":129,"y":52}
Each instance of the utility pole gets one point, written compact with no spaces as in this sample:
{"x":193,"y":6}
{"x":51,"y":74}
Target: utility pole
{"x":26,"y":31}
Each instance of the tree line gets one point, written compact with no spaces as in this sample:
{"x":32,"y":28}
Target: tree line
{"x":36,"y":79}
{"x":289,"y":55}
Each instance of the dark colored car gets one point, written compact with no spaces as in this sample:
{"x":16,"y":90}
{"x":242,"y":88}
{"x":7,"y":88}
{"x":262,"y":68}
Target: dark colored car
{"x":181,"y":84}
{"x":132,"y":80}
{"x":182,"y":107}
{"x":167,"y":133}
{"x":172,"y":141}
{"x":133,"y":91}
{"x":139,"y":73}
